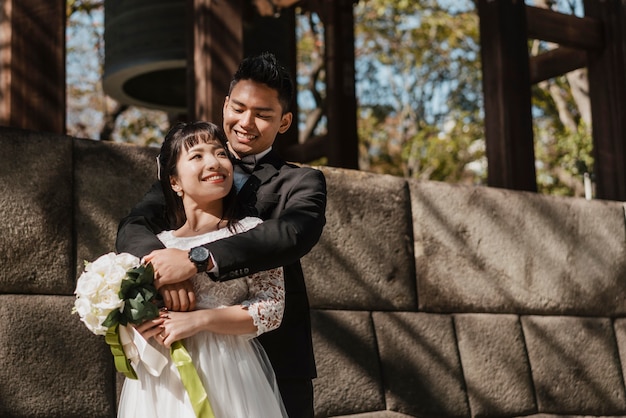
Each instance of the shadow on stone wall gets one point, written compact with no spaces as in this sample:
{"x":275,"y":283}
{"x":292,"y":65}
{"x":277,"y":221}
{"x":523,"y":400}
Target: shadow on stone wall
{"x":428,"y":299}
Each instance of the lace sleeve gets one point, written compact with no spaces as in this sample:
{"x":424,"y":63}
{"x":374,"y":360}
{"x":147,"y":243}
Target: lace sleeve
{"x":267,"y":299}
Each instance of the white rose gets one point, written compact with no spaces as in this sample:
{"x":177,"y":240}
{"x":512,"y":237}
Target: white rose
{"x":82,"y":306}
{"x":103,"y":260}
{"x":108,"y":300}
{"x":94,"y":324}
{"x":88,"y":283}
{"x":106,"y":267}
{"x":127,"y":261}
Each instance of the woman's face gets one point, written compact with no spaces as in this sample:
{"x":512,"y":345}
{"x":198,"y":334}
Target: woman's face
{"x":204,"y":173}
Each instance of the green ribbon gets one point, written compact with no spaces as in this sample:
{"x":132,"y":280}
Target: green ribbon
{"x":122,"y":364}
{"x":191,"y":381}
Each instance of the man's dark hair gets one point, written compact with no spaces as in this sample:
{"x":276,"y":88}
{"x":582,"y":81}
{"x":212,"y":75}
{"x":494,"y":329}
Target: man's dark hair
{"x":266,"y":69}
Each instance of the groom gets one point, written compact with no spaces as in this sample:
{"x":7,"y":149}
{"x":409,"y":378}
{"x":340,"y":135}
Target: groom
{"x":290,"y":199}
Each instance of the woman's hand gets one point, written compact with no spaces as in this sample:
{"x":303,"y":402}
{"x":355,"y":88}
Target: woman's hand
{"x":180,"y":325}
{"x":152,"y":327}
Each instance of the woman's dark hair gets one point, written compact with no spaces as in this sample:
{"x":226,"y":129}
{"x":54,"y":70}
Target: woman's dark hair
{"x":186,"y":135}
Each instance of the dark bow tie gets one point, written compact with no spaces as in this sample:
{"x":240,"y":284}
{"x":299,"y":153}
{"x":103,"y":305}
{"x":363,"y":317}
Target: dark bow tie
{"x":246,"y":165}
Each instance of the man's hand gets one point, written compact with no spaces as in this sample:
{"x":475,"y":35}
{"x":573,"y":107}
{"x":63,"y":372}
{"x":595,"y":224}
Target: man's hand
{"x":171,"y":265}
{"x":179,"y":296}
{"x":172,"y":269}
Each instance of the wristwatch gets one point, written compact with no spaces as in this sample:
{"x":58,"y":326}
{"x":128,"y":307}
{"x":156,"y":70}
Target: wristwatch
{"x":200,"y":257}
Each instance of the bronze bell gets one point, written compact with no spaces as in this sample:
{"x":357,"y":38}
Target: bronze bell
{"x":145,"y":53}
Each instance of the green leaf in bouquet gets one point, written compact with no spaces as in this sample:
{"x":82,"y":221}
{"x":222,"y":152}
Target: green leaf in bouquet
{"x":138,"y":308}
{"x":138,"y":277}
{"x":112,"y":318}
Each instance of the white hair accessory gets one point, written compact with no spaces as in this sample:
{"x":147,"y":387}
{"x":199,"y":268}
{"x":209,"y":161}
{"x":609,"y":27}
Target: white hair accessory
{"x":158,"y":167}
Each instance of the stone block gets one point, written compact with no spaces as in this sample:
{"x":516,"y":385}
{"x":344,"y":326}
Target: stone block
{"x":349,"y":379}
{"x":495,"y":365}
{"x":36,"y":251}
{"x":377,"y":414}
{"x":109,"y":180}
{"x":481,"y":249}
{"x":620,"y":334}
{"x":52,"y":366}
{"x":364,"y":260}
{"x":575,"y":365}
{"x":420,"y":364}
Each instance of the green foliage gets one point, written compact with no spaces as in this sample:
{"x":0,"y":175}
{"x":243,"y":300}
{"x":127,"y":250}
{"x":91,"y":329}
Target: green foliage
{"x":420,"y":99}
{"x":419,"y":81}
{"x":139,"y":294}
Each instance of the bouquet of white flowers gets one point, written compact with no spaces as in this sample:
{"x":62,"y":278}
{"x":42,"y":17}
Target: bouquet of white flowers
{"x":115,"y":289}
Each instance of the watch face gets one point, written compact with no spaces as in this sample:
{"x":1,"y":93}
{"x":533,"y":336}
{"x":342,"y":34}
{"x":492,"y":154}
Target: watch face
{"x":199,"y":254}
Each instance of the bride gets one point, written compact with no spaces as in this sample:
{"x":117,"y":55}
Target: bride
{"x":197,"y":177}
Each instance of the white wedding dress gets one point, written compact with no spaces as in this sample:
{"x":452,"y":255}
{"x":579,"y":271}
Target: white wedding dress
{"x":234,"y":369}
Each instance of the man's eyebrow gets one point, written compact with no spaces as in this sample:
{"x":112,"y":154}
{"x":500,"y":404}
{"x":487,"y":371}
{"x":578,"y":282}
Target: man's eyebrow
{"x":261,"y":109}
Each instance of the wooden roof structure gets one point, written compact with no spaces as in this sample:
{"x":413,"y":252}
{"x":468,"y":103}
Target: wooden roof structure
{"x":32,"y":79}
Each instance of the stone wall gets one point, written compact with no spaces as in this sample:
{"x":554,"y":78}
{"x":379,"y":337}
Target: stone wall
{"x":428,"y":299}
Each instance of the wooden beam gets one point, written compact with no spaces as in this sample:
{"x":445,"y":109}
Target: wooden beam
{"x":32,"y":56}
{"x":563,"y":29}
{"x":556,"y":62}
{"x":506,"y":88}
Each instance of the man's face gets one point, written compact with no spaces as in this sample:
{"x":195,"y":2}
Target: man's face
{"x":253,"y":117}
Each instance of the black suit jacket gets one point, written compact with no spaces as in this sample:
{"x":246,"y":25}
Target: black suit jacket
{"x":292,"y":202}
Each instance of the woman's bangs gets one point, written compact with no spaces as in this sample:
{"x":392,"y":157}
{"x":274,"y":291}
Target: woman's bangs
{"x":200,"y":138}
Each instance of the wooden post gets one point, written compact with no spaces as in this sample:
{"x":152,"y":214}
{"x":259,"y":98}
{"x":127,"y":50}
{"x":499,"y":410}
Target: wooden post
{"x":507,"y":95}
{"x":607,"y":91}
{"x":340,"y":84}
{"x":216,"y":49}
{"x":32,"y":60}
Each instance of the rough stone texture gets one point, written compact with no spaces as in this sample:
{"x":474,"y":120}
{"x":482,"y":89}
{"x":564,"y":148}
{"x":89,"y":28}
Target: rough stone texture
{"x":364,"y":257}
{"x":620,"y":333}
{"x":495,"y":365}
{"x":575,"y":365}
{"x":421,"y":365}
{"x":349,"y":379}
{"x":378,"y":414}
{"x":483,"y":258}
{"x":493,"y":250}
{"x":102,"y":200}
{"x":52,"y":366}
{"x":36,"y":207}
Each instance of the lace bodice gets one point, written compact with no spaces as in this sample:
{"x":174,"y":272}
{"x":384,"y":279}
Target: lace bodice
{"x":262,"y":294}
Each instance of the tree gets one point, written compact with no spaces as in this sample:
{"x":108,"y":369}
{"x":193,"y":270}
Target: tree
{"x":419,"y":89}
